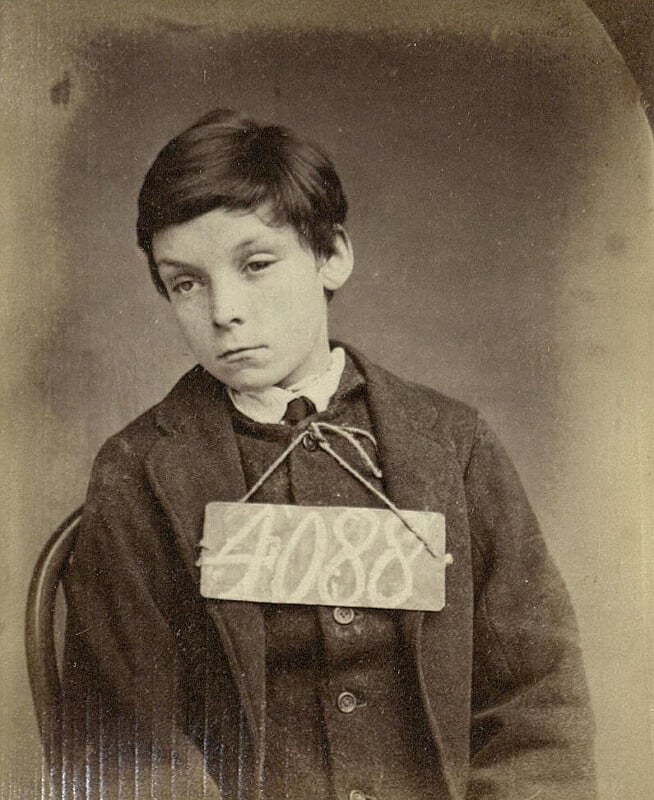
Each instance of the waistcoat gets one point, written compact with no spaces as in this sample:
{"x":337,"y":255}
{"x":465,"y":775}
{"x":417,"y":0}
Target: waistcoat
{"x":342,"y":708}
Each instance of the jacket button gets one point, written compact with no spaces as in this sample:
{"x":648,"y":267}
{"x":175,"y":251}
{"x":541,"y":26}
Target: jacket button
{"x":309,"y":441}
{"x":343,"y":615}
{"x":346,"y":702}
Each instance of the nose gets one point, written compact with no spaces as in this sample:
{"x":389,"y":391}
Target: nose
{"x":227,"y":298}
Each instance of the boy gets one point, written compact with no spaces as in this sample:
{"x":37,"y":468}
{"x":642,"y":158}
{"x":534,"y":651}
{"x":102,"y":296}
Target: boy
{"x":177,"y":690}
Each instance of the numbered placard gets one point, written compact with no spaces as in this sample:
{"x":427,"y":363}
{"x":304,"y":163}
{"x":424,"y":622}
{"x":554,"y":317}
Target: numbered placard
{"x":334,"y":556}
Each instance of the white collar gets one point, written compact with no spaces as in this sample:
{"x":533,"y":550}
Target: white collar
{"x":269,"y":405}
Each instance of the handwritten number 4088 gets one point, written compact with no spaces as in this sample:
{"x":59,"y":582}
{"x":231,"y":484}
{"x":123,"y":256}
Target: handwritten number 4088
{"x":354,"y":556}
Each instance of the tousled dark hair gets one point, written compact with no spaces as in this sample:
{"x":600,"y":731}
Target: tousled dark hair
{"x":226,"y":160}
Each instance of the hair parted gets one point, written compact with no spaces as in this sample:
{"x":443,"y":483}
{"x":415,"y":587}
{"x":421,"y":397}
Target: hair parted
{"x":226,"y":160}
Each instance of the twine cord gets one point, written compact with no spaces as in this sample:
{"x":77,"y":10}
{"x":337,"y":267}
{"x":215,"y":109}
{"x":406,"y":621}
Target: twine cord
{"x":348,"y":433}
{"x":276,"y":463}
{"x":324,"y":445}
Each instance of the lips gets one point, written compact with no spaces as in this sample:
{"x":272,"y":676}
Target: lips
{"x":238,"y":352}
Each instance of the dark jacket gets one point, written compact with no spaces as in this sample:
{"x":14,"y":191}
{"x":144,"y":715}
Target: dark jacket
{"x":155,"y":675}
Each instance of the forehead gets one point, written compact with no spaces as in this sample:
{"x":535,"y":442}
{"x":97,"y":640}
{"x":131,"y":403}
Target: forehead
{"x":224,"y":231}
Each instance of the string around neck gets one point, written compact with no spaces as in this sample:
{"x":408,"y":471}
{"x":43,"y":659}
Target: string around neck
{"x":349,"y":433}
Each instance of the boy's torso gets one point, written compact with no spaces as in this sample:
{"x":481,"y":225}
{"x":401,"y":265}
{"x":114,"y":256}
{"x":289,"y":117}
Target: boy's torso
{"x":316,"y":745}
{"x":138,"y":549}
{"x":185,"y":453}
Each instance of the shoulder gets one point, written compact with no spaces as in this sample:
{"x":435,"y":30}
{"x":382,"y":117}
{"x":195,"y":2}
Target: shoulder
{"x":122,"y":457}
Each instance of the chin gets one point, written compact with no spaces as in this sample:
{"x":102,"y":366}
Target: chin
{"x":255,"y":376}
{"x":248,"y":383}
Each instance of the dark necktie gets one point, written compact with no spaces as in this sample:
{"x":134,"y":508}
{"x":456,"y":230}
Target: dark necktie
{"x":298,"y":409}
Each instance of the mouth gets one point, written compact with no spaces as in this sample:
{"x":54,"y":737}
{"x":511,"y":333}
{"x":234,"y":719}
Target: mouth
{"x":238,"y":353}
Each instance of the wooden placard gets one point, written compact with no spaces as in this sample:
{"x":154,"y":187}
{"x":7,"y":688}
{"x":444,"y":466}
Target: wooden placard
{"x":334,"y":556}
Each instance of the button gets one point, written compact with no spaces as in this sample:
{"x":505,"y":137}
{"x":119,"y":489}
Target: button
{"x":309,"y":441}
{"x":346,"y":702}
{"x":357,"y":794}
{"x":343,"y":615}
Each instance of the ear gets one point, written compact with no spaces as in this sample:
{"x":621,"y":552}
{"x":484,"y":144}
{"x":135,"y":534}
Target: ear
{"x":335,"y":270}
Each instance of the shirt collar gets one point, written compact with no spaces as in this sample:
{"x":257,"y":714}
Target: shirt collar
{"x":269,"y":405}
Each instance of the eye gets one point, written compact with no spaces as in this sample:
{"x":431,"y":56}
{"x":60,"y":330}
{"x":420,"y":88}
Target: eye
{"x":184,"y":286}
{"x":258,"y":265}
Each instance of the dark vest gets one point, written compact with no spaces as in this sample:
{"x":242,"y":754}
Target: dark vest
{"x":342,"y":707}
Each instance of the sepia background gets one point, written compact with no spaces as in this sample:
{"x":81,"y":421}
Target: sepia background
{"x":499,"y":165}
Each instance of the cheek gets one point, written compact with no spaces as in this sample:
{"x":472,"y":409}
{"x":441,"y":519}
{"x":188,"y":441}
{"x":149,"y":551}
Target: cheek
{"x":304,"y":299}
{"x":191,"y":319}
{"x":300,"y":318}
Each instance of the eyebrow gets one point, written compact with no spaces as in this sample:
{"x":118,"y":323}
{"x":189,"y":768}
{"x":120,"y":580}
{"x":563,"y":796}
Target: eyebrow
{"x":259,"y":243}
{"x":253,"y":245}
{"x":244,"y":245}
{"x":181,"y":266}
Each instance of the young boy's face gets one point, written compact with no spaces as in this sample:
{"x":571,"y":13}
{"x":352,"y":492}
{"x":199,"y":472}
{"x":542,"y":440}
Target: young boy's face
{"x":248,"y":296}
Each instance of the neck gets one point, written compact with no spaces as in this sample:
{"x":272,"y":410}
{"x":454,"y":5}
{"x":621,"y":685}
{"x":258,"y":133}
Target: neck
{"x":318,"y":362}
{"x":269,"y":405}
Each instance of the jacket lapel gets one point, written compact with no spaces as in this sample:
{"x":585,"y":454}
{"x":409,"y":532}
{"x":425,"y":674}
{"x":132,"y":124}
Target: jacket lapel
{"x":195,"y":463}
{"x":417,"y":470}
{"x":421,"y":472}
{"x":418,"y":467}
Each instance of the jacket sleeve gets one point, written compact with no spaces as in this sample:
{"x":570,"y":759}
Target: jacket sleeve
{"x":531,"y":732}
{"x":124,"y":728}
